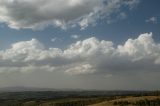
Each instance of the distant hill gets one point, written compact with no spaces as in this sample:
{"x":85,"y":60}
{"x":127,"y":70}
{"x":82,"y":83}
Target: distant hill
{"x":22,"y":89}
{"x":105,"y":92}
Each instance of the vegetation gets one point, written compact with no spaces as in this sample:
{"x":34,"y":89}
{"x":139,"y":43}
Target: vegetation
{"x":132,"y":101}
{"x":145,"y":102}
{"x":80,"y":98}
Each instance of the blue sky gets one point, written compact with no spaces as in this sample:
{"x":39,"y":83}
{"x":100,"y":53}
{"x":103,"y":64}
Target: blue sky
{"x":119,"y":31}
{"x":24,"y":23}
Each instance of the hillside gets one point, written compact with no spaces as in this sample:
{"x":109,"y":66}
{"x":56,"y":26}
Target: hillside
{"x":132,"y":101}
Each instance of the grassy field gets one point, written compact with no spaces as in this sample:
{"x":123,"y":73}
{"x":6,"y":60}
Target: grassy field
{"x":74,"y":102}
{"x":61,"y":102}
{"x":131,"y":101}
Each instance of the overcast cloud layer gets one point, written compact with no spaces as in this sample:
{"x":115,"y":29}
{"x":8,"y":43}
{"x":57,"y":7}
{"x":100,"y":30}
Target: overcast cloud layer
{"x":83,"y":57}
{"x":37,"y":14}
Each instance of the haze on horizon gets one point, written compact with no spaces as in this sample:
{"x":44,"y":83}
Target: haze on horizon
{"x":80,"y":44}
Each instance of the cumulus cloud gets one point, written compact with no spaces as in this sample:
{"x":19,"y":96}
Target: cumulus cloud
{"x":84,"y":57}
{"x":37,"y":14}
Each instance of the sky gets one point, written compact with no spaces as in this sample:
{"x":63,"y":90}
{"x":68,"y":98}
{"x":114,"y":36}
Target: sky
{"x":80,"y":44}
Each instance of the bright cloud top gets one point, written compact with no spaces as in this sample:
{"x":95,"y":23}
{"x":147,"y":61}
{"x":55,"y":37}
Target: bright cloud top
{"x":83,"y":57}
{"x":37,"y":14}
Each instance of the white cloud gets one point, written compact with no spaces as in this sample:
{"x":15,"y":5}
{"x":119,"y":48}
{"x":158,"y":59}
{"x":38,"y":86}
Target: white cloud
{"x":26,"y":69}
{"x":152,"y":20}
{"x":37,"y":14}
{"x":53,"y":39}
{"x":84,"y":57}
{"x":75,"y":36}
{"x":81,"y":69}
